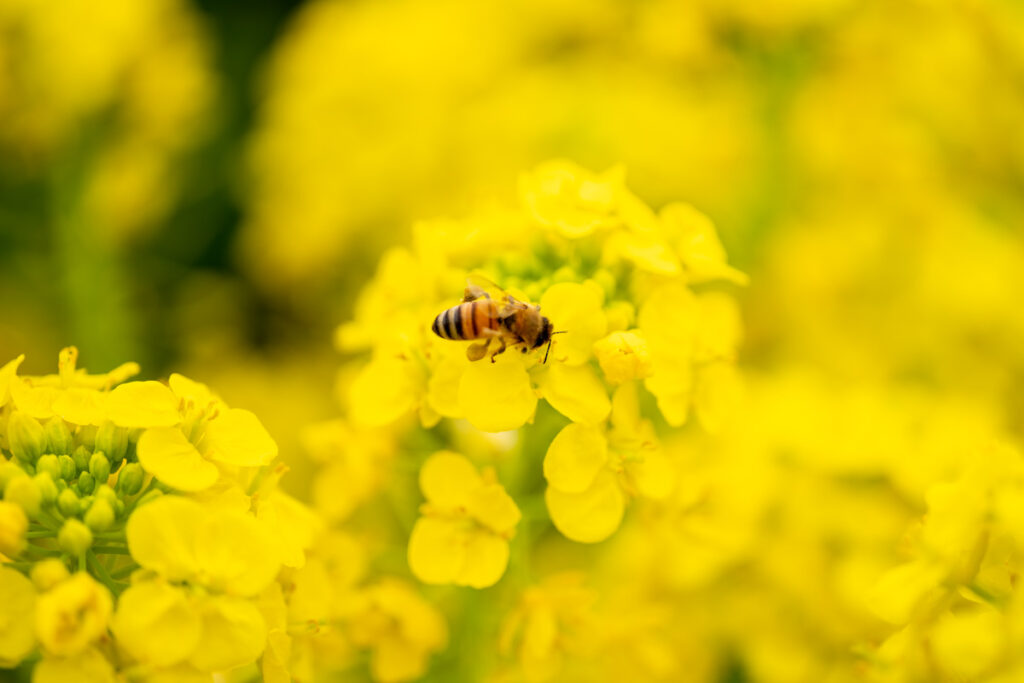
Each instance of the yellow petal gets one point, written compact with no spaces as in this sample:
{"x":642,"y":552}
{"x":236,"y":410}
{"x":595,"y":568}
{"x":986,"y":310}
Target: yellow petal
{"x":80,"y":406}
{"x":190,"y":390}
{"x":486,"y":560}
{"x":497,"y":397}
{"x":235,"y":554}
{"x":902,"y":589}
{"x":968,"y":644}
{"x":443,"y":386}
{"x":576,"y":392}
{"x":236,"y":437}
{"x":590,"y":516}
{"x":437,"y":550}
{"x":654,"y":477}
{"x":447,"y":478}
{"x":291,"y":525}
{"x":156,"y":623}
{"x":72,"y":615}
{"x":142,"y":404}
{"x":575,"y":457}
{"x":161,"y":536}
{"x":34,"y":401}
{"x":623,"y":356}
{"x":577,"y":309}
{"x":492,"y":507}
{"x":7,"y":373}
{"x":384,"y":391}
{"x":171,"y":458}
{"x":17,"y":604}
{"x":234,"y":634}
{"x":87,"y":667}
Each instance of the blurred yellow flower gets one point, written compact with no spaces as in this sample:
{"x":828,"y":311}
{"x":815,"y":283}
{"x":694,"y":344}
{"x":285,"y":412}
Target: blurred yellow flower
{"x":72,"y":615}
{"x":462,"y":535}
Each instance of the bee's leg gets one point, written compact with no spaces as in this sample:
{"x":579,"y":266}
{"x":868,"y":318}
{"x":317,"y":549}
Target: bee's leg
{"x":473,"y":293}
{"x":501,"y":348}
{"x":478,"y":350}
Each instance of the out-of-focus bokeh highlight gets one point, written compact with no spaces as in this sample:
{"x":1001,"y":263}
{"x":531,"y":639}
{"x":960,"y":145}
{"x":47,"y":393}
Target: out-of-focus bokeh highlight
{"x":208,"y":189}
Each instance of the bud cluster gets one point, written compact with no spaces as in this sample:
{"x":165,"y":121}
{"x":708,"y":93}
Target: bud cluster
{"x":74,"y":481}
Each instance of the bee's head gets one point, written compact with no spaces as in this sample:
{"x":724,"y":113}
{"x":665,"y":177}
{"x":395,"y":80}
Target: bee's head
{"x":546,"y":332}
{"x":544,"y":336}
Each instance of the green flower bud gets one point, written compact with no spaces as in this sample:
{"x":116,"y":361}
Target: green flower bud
{"x":49,"y":464}
{"x":24,"y":492}
{"x":68,"y":470}
{"x":86,"y":436}
{"x":74,"y":537}
{"x":68,"y":503}
{"x":129,"y":479}
{"x":81,"y":458}
{"x":99,"y":467}
{"x":25,"y":437}
{"x":47,"y":489}
{"x":100,"y":515}
{"x":104,"y":492}
{"x":61,"y":485}
{"x":112,"y":440}
{"x":86,"y":483}
{"x":8,"y":471}
{"x":58,"y":436}
{"x":119,"y":507}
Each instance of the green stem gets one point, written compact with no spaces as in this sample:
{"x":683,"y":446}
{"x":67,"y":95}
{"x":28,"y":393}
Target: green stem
{"x":101,"y":573}
{"x":109,"y":550}
{"x":124,"y":571}
{"x":44,"y":533}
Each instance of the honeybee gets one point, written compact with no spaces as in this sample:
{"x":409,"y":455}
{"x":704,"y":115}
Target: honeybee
{"x":504,"y":323}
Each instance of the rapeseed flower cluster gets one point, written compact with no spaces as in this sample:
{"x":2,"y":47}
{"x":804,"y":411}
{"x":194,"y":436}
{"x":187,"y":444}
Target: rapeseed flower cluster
{"x":466,"y":464}
{"x":143,"y":528}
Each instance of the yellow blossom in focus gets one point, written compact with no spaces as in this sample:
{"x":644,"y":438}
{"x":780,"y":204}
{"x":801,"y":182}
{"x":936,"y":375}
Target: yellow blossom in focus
{"x":187,"y":456}
{"x":220,"y":549}
{"x":462,"y":535}
{"x":72,"y":615}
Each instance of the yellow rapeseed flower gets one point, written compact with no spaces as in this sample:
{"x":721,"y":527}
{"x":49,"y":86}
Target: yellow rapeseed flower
{"x":17,"y":631}
{"x":72,"y":615}
{"x":462,"y":535}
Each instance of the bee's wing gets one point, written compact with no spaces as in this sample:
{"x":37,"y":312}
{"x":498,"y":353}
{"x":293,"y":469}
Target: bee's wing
{"x":476,"y":281}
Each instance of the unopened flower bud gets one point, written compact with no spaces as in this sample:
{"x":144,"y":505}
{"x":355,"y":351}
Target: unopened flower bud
{"x":68,"y":503}
{"x":104,"y":492}
{"x":99,"y":467}
{"x":129,"y":479}
{"x":13,"y":525}
{"x":67,"y":467}
{"x":25,"y":437}
{"x":47,"y":489}
{"x":58,"y":436}
{"x":81,"y":458}
{"x":112,"y":440}
{"x":8,"y":471}
{"x":100,"y":515}
{"x":86,"y":483}
{"x":74,"y":537}
{"x":49,"y":464}
{"x":48,"y":573}
{"x":24,"y":492}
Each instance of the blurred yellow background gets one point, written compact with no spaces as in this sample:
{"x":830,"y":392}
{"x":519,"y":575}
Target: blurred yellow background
{"x":205,"y":187}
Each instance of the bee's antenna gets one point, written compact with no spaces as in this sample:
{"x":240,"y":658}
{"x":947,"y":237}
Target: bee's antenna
{"x":549,"y":343}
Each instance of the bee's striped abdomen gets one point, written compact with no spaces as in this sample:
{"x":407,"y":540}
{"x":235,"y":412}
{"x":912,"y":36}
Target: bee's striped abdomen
{"x":467,"y":320}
